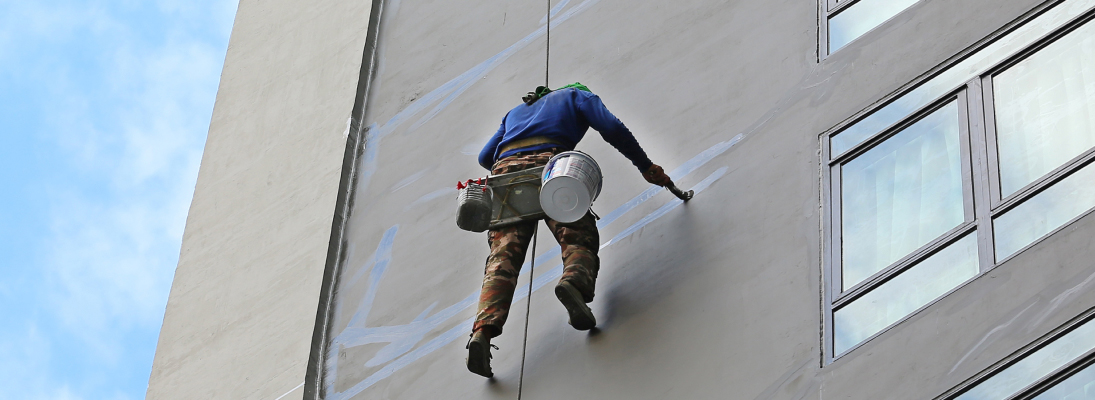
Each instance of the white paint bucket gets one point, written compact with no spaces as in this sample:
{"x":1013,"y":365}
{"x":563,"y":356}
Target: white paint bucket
{"x":571,"y":181}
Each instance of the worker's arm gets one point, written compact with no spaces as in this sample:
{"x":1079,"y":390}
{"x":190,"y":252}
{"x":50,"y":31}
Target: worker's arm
{"x":486,"y":156}
{"x":615,"y":133}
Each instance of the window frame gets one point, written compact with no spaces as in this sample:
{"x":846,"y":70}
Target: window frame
{"x":1043,"y":383}
{"x":827,"y":9}
{"x":841,"y":295}
{"x":982,"y":197}
{"x":1060,"y":375}
{"x":1000,"y":203}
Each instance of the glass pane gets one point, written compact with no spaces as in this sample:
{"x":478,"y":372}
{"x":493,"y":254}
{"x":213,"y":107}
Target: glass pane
{"x":905,"y":293}
{"x":1045,"y":109}
{"x":1077,"y":387}
{"x":861,"y":17}
{"x":1044,"y":212}
{"x":1035,"y":366}
{"x":901,"y":195}
{"x":957,"y":75}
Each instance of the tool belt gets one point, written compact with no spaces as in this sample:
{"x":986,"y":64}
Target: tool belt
{"x":516,"y":197}
{"x":499,"y":200}
{"x":527,"y":142}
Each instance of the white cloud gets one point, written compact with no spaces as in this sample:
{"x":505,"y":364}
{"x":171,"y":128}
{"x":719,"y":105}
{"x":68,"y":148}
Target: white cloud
{"x":159,"y":135}
{"x":128,"y":111}
{"x":40,"y":22}
{"x":113,"y":254}
{"x":28,"y":345}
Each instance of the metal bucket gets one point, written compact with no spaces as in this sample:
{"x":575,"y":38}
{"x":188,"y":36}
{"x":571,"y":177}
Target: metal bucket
{"x":516,"y":197}
{"x":571,"y":182}
{"x":473,"y":207}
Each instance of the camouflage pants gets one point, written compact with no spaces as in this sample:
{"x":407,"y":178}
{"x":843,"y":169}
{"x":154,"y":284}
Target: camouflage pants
{"x":579,"y":241}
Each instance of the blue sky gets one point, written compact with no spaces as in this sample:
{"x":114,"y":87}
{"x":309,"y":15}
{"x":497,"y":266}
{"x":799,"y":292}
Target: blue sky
{"x":104,"y":110}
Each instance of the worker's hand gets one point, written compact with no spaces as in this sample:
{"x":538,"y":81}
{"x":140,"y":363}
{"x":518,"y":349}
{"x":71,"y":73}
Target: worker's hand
{"x":656,"y":175}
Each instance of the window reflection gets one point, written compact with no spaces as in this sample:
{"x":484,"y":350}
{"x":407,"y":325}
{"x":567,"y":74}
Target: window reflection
{"x":901,"y":195}
{"x":954,"y":76}
{"x":1035,"y":366}
{"x":1077,"y":387}
{"x":861,"y":17}
{"x":905,"y":293}
{"x":1045,"y":212}
{"x":1045,"y":109}
{"x":897,"y":196}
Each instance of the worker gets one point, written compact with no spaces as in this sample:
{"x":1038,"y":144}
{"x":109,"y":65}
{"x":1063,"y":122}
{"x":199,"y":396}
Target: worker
{"x":547,"y":123}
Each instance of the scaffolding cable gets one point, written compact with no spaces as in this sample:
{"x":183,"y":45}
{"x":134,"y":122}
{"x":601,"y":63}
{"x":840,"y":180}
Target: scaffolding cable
{"x":535,"y":226}
{"x":547,"y":48}
{"x":528,"y":308}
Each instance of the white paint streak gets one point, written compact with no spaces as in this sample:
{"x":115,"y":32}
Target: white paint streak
{"x":408,"y":181}
{"x":431,"y":196}
{"x":987,"y":336}
{"x":1061,"y":298}
{"x":290,"y":391}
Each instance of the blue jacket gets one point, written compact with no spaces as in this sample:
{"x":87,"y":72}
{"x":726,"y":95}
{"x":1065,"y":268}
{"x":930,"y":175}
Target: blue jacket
{"x":564,"y":116}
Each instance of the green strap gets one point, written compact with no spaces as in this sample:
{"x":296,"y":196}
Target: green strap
{"x":576,"y":85}
{"x":542,"y":91}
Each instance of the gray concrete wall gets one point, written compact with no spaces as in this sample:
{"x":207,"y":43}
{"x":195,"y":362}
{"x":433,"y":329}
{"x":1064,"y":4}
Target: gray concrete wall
{"x":242,"y":308}
{"x":719,"y":298}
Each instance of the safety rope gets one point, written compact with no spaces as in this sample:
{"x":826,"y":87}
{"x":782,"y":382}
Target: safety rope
{"x":535,"y":225}
{"x":528,"y":309}
{"x":547,"y":47}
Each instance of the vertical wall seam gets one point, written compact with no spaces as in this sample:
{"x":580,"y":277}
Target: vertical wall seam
{"x":355,"y":146}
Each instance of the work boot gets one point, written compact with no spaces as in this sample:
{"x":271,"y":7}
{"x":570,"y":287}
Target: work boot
{"x":581,"y":317}
{"x":479,"y":354}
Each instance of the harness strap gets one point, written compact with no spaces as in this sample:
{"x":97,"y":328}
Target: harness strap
{"x":527,"y":142}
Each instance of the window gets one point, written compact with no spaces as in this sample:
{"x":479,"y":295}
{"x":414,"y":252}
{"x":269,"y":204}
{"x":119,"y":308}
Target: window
{"x":903,"y":193}
{"x":1079,"y":387}
{"x":846,"y":20}
{"x":1059,"y":368}
{"x":959,"y":173}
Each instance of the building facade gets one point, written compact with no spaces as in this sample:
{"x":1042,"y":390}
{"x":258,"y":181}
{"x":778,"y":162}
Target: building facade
{"x":893,"y":201}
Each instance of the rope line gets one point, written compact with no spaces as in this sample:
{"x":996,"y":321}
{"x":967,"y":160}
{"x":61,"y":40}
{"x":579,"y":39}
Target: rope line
{"x":528,"y":309}
{"x":547,"y":47}
{"x":535,"y":225}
